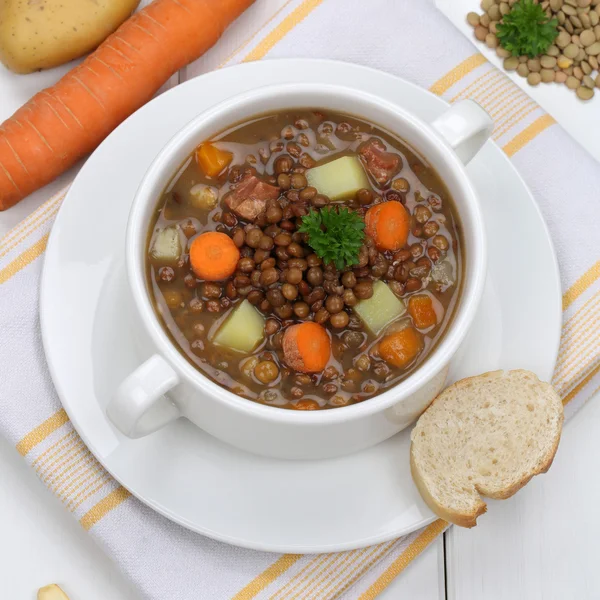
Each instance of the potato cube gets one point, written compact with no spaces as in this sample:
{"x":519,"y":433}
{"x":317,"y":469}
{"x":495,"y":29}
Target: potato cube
{"x":167,"y":245}
{"x":203,"y":197}
{"x":339,"y":179}
{"x":380,"y":309}
{"x":243,"y":329}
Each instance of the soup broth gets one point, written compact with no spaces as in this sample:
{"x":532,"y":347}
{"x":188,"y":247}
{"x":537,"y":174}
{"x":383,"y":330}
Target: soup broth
{"x":258,"y":183}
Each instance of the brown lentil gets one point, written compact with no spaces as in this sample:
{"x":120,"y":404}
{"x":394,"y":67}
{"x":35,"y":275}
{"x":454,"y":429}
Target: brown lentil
{"x":578,"y":39}
{"x":363,"y":290}
{"x":266,"y":371}
{"x":289,"y":291}
{"x":440,"y":242}
{"x":283,"y":164}
{"x":412,"y":284}
{"x":339,"y":320}
{"x":294,"y":275}
{"x":334,"y":304}
{"x":308,"y":193}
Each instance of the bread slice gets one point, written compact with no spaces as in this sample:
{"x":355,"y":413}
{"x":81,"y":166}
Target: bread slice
{"x":484,"y":436}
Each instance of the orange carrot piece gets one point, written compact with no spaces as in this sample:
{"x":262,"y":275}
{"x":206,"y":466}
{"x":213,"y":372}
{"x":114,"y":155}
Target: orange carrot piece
{"x":306,"y":405}
{"x":422,"y":312}
{"x":306,"y":347}
{"x":63,"y":123}
{"x":212,"y":160}
{"x":388,"y":224}
{"x":214,"y":256}
{"x":401,"y":348}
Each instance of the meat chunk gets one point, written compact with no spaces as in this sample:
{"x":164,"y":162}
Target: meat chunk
{"x":382,"y":165}
{"x":249,"y":198}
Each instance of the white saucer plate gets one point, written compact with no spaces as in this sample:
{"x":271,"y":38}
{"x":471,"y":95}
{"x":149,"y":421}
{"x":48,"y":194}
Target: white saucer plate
{"x":192,"y":478}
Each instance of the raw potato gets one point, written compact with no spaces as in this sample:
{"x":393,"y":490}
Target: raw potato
{"x":340,"y":179}
{"x":40,"y":34}
{"x":380,"y":309}
{"x":51,"y":592}
{"x":243,"y":329}
{"x":167,"y":245}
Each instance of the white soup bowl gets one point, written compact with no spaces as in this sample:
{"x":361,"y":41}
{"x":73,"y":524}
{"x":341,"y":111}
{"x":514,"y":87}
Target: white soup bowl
{"x":167,"y":386}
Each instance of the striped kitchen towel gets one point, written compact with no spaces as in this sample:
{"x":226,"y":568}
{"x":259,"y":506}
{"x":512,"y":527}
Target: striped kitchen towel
{"x":404,"y":37}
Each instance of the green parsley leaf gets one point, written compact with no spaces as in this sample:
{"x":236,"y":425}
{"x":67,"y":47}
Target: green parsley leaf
{"x":335,"y":235}
{"x":527,"y":29}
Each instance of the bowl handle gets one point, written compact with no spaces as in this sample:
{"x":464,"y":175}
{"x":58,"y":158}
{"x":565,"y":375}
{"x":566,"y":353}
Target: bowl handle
{"x":466,"y":127}
{"x":139,"y":406}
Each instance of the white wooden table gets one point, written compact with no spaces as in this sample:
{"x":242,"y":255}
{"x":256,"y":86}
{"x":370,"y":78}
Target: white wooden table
{"x":540,"y":545}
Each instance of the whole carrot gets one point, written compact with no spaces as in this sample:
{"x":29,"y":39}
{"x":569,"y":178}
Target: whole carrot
{"x":63,"y":123}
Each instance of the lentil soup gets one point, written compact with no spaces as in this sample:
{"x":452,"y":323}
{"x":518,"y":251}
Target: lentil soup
{"x":305,"y":259}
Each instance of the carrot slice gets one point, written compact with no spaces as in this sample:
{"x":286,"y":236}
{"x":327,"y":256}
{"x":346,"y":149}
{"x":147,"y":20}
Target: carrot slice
{"x":388,"y":224}
{"x":306,"y":405}
{"x":63,"y":123}
{"x":422,"y":312}
{"x":214,"y":256}
{"x":401,"y":348}
{"x":212,"y":160}
{"x":306,"y":347}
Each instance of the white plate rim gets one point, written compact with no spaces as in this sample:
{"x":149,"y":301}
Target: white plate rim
{"x":72,"y":414}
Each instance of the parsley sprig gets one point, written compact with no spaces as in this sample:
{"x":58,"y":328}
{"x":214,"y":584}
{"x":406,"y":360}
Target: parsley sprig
{"x":527,"y":29}
{"x":335,"y":235}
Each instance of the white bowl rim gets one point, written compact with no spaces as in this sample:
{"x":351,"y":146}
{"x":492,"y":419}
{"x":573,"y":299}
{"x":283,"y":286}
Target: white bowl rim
{"x":432,"y":365}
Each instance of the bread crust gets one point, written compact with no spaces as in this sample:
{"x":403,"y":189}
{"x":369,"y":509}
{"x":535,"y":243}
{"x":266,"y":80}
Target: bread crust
{"x":469,"y":518}
{"x":466,"y":519}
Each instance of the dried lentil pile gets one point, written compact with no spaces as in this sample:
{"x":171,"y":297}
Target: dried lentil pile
{"x":572,"y":59}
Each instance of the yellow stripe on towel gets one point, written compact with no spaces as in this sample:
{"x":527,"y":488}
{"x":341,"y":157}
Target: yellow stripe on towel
{"x":25,"y":223}
{"x":293,"y":19}
{"x":41,"y":432}
{"x":270,"y":574}
{"x":24,"y":259}
{"x":580,"y":386}
{"x":248,"y":40}
{"x":443,"y":84}
{"x":35,"y":225}
{"x":528,"y":134}
{"x":102,"y":508}
{"x":415,"y":548}
{"x":380,"y":551}
{"x":582,"y":284}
